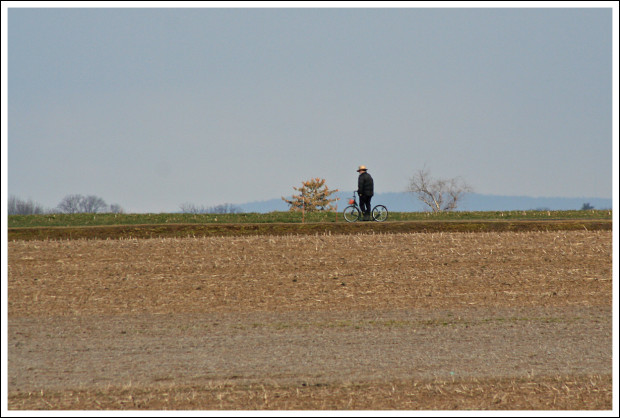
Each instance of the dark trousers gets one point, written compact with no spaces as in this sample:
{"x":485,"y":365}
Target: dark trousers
{"x":365,"y":204}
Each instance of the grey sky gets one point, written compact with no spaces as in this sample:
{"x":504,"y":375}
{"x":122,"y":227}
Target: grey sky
{"x":152,"y":108}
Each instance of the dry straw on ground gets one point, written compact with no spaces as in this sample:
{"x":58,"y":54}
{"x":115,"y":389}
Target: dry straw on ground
{"x":544,"y":297}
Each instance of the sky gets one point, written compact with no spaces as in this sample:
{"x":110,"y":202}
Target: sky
{"x":152,"y":108}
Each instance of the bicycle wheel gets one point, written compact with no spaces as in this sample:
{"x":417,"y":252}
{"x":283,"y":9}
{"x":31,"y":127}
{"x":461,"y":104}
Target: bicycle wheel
{"x":351,"y":213}
{"x":379,"y":213}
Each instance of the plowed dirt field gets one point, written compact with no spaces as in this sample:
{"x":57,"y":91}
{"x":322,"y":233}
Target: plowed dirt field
{"x":404,"y":321}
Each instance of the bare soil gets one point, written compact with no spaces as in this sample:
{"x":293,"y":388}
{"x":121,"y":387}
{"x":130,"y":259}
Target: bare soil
{"x":498,"y":320}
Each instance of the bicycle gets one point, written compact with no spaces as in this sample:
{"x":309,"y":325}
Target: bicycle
{"x":353,"y":213}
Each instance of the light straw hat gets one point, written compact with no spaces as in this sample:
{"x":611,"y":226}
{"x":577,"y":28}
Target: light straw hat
{"x":362,"y":168}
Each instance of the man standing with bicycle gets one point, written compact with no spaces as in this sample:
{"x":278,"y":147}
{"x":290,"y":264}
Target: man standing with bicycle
{"x":365,"y":189}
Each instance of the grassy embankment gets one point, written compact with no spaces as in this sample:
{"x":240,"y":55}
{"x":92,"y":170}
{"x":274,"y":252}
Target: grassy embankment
{"x":112,"y":226}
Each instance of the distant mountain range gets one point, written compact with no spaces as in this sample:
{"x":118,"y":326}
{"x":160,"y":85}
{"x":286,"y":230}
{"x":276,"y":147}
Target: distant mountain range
{"x":406,"y":202}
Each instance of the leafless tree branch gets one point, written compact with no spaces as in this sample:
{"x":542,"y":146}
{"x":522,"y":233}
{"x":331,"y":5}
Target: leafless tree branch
{"x":438,"y":194}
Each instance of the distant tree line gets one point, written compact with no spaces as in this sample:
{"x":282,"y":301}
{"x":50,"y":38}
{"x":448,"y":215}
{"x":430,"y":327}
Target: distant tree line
{"x":77,"y":203}
{"x":438,"y":195}
{"x":219,"y":209}
{"x":73,"y":203}
{"x":16,"y":206}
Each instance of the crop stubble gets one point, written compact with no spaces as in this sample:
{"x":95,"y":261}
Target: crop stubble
{"x":368,"y":321}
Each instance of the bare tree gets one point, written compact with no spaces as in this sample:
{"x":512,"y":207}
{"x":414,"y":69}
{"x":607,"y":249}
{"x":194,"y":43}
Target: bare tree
{"x":224,"y":208}
{"x":76,"y":203}
{"x":92,"y":204}
{"x":16,"y":206}
{"x":191,"y":208}
{"x":220,"y":209}
{"x":70,"y":203}
{"x":438,"y":194}
{"x":116,"y":208}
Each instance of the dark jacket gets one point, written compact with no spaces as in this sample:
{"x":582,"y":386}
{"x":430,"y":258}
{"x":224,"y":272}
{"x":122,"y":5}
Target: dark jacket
{"x":365,"y":184}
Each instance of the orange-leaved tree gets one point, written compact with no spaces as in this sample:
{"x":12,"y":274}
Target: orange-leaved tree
{"x":314,"y":195}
